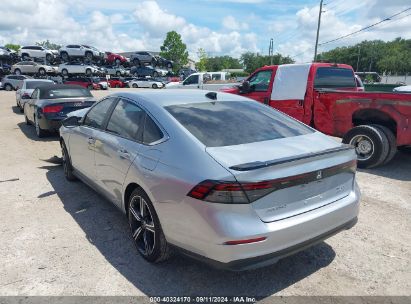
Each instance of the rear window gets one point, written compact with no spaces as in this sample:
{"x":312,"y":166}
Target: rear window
{"x":227,"y":123}
{"x":35,"y":84}
{"x":64,"y":93}
{"x":330,"y":77}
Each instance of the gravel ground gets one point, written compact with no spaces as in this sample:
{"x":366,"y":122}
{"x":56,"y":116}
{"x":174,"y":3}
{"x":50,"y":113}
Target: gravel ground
{"x":61,"y":238}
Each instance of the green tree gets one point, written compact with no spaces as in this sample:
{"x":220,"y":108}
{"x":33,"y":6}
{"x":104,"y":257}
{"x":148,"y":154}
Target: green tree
{"x":374,"y":56}
{"x":201,"y":65}
{"x":14,"y":47}
{"x":174,"y":49}
{"x":49,"y":45}
{"x":219,"y":63}
{"x":252,"y":61}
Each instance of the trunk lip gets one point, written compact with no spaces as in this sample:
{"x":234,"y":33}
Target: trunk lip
{"x":264,"y":164}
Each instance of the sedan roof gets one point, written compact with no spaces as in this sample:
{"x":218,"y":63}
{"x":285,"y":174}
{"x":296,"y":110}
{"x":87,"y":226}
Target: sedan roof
{"x":166,"y":97}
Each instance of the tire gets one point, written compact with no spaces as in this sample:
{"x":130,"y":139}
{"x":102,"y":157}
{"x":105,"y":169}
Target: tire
{"x":67,"y":167}
{"x":154,"y":86}
{"x":155,"y":74}
{"x":370,"y":143}
{"x":134,"y":85}
{"x":39,"y":131}
{"x":64,"y":56}
{"x":118,"y":73}
{"x":28,"y":122}
{"x":89,"y":56}
{"x":25,"y":57}
{"x":145,"y":228}
{"x":8,"y":87}
{"x":49,"y":58}
{"x":42,"y":72}
{"x":17,"y":72}
{"x":392,"y":141}
{"x":64,"y":72}
{"x":88,"y":72}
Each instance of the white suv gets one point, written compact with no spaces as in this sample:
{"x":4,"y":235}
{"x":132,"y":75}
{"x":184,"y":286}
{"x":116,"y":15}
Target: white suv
{"x":76,"y":50}
{"x":35,"y":51}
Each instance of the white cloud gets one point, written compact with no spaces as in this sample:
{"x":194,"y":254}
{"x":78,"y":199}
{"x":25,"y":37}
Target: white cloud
{"x":229,"y":22}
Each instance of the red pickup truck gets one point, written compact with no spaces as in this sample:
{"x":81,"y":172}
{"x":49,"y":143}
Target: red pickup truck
{"x":326,"y":97}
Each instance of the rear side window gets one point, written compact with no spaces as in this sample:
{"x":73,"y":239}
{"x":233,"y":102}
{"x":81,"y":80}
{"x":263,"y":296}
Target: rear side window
{"x":228,"y":123}
{"x":152,"y":132}
{"x":127,"y":120}
{"x":330,"y":77}
{"x":95,"y":117}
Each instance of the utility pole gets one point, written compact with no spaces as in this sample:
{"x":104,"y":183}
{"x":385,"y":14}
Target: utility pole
{"x":318,"y":29}
{"x":271,"y":50}
{"x":358,"y":58}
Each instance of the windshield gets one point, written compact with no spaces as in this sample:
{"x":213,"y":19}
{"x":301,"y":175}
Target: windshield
{"x":35,"y":84}
{"x":227,"y":123}
{"x":331,"y":77}
{"x":64,"y":93}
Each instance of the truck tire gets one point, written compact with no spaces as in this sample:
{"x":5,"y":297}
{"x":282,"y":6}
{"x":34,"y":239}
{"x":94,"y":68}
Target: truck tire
{"x":392,"y":143}
{"x":89,"y":56}
{"x":370,"y":143}
{"x":49,"y":58}
{"x":17,"y":72}
{"x":64,"y":56}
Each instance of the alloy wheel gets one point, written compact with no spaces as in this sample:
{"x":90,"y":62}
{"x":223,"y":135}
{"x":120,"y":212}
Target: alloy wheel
{"x":142,"y":225}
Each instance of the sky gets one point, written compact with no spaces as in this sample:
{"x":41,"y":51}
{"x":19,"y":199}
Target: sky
{"x":221,"y":27}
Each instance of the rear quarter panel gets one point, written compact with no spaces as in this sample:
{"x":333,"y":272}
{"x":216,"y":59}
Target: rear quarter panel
{"x":333,"y":111}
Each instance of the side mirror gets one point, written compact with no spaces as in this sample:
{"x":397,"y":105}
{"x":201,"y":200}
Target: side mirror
{"x":71,"y":122}
{"x":245,"y":87}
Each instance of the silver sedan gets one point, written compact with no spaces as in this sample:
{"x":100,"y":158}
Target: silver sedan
{"x":219,"y":177}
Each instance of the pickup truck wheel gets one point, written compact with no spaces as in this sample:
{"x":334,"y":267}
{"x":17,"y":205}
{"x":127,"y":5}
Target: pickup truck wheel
{"x":370,"y":143}
{"x":392,"y":141}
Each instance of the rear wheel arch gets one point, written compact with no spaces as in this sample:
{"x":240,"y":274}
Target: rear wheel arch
{"x":374,"y":117}
{"x":127,"y":194}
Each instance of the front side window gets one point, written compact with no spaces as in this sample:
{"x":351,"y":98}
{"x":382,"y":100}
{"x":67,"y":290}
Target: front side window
{"x":331,"y":77}
{"x":35,"y":94}
{"x":227,"y":123}
{"x":260,"y":81}
{"x":96,"y":116}
{"x":127,"y":120}
{"x":193,"y":79}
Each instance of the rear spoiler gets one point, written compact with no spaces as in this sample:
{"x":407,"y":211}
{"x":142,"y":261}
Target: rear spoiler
{"x":259,"y":164}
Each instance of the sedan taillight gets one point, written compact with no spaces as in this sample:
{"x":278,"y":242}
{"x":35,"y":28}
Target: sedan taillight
{"x":52,"y":109}
{"x":248,"y":192}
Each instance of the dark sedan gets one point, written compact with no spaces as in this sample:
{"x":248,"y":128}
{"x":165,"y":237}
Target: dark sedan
{"x":50,"y":104}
